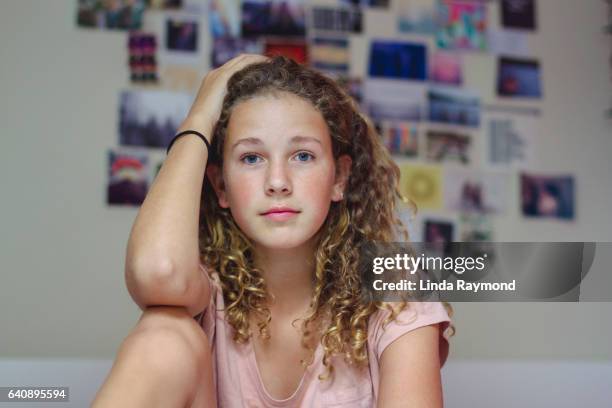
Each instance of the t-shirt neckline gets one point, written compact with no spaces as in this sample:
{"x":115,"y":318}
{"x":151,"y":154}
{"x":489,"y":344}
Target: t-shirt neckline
{"x":260,"y":385}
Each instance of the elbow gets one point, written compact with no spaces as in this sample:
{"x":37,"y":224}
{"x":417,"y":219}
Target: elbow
{"x":153,"y":283}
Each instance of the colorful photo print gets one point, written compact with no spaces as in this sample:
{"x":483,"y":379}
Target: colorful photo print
{"x":297,"y":50}
{"x":400,"y":138}
{"x":519,"y":78}
{"x":394,"y":100}
{"x":224,"y":49}
{"x":519,"y":14}
{"x":150,"y":118}
{"x":285,"y":18}
{"x":398,"y":60}
{"x":337,"y":19}
{"x":422,"y":184}
{"x":164,"y":4}
{"x":462,"y":25}
{"x":330,"y":55}
{"x":181,"y":35}
{"x":110,"y":14}
{"x":448,"y":146}
{"x":440,"y":233}
{"x":454,"y":106}
{"x":446,"y":68}
{"x":547,"y":196}
{"x":475,"y":227}
{"x":224,"y":18}
{"x":417,"y":16}
{"x":475,"y":191}
{"x":128,"y":177}
{"x":142,"y":51}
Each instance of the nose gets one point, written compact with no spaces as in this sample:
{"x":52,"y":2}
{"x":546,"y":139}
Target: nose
{"x":278,"y":179}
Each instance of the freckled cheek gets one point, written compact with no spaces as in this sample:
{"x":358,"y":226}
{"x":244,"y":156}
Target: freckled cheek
{"x":317,"y":189}
{"x":242,"y":188}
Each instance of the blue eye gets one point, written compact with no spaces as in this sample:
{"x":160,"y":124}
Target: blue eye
{"x":304,"y":155}
{"x":249,"y":161}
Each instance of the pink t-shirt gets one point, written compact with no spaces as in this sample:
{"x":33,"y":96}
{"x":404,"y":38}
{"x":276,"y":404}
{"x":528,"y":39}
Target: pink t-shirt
{"x":237,"y":377}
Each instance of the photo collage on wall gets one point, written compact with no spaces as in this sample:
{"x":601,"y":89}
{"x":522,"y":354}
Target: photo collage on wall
{"x":455,"y":94}
{"x":457,"y":97}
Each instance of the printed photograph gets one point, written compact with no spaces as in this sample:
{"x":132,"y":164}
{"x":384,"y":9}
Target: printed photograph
{"x":446,"y":68}
{"x":330,"y":55}
{"x":422,"y":184}
{"x":399,"y":60}
{"x":511,"y":140}
{"x":110,"y":14}
{"x":142,"y":50}
{"x":467,"y":190}
{"x":440,"y":234}
{"x":285,"y":18}
{"x":297,"y":50}
{"x":417,"y":16}
{"x":181,"y":78}
{"x":547,"y":196}
{"x":508,"y":42}
{"x":224,"y":18}
{"x":448,"y":146}
{"x":454,"y":106}
{"x":128,"y":177}
{"x":520,"y":78}
{"x":519,"y":14}
{"x":140,"y":43}
{"x":346,"y":19}
{"x":475,"y":227}
{"x":224,"y":49}
{"x":395,"y":100}
{"x":181,"y":35}
{"x":462,"y":25}
{"x":149,"y":118}
{"x":401,"y":138}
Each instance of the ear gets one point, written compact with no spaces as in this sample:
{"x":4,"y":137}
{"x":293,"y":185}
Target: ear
{"x":343,"y":171}
{"x":215,"y":176}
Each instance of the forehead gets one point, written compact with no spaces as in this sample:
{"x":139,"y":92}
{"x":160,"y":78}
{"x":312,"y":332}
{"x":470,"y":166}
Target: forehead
{"x":276,"y":118}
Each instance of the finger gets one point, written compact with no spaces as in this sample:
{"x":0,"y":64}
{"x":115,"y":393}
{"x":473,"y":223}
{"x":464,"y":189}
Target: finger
{"x":246,"y":59}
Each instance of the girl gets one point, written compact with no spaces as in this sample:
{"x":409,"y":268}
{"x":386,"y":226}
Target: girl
{"x":297,"y":181}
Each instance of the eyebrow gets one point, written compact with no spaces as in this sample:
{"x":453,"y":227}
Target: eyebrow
{"x":293,"y":140}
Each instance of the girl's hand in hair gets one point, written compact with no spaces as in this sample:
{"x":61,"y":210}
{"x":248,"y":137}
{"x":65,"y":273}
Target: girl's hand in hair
{"x":206,"y":107}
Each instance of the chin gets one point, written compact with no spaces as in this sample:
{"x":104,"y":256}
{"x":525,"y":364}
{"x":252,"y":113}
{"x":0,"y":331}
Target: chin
{"x":279,"y":243}
{"x":288,"y":240}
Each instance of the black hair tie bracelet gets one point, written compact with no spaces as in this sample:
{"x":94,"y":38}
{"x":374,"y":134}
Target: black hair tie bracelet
{"x":186,"y":132}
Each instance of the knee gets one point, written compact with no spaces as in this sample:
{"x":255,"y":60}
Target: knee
{"x":170,"y":343}
{"x":177,"y":320}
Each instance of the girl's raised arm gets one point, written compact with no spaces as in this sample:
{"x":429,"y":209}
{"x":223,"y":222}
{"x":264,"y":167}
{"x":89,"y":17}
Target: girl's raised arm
{"x":162,"y":256}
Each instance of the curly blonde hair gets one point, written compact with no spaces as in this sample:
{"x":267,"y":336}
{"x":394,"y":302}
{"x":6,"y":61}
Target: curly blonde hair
{"x":366,"y":214}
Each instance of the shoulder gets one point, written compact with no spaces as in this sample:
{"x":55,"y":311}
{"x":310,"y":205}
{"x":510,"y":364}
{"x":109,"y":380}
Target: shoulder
{"x":409,"y":352}
{"x":383,"y":331}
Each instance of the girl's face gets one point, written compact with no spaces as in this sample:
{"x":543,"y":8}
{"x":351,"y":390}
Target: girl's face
{"x":278,"y":153}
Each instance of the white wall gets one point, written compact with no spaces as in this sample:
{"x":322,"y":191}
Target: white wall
{"x":62,"y":292}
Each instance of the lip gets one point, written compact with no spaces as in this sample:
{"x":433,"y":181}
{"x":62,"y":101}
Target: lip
{"x":280,"y":213}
